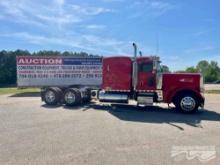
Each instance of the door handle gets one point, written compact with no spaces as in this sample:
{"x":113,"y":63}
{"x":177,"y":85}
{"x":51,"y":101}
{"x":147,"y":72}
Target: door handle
{"x":151,"y":81}
{"x":141,"y":83}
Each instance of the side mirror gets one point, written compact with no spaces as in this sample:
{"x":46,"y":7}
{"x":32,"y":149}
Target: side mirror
{"x":154,"y":65}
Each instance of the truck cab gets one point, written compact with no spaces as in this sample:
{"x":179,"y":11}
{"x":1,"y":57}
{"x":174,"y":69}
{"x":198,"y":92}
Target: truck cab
{"x":142,"y":79}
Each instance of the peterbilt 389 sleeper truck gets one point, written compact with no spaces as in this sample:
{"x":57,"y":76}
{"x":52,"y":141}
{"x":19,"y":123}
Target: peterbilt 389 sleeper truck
{"x":72,"y":81}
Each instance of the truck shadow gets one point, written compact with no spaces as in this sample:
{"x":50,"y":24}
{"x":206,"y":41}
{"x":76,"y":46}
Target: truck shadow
{"x":158,"y":114}
{"x":26,"y":94}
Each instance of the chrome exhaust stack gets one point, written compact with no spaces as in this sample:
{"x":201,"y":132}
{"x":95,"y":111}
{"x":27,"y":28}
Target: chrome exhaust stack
{"x":134,"y":69}
{"x":135,"y":50}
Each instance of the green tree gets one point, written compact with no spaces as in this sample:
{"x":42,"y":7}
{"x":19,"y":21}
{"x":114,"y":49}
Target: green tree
{"x":210,"y":71}
{"x":202,"y":66}
{"x":165,"y":69}
{"x":191,"y":69}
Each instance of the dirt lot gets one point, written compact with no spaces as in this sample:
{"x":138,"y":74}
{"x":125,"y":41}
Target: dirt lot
{"x":33,"y":133}
{"x":212,"y":86}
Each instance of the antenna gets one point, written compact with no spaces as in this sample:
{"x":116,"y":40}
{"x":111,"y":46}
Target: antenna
{"x":140,"y":53}
{"x":157,"y":44}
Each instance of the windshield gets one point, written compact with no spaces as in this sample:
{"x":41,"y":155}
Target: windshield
{"x":159,"y":67}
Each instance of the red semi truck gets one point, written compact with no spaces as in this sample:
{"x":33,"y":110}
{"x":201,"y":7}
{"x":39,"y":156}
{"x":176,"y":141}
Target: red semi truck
{"x":127,"y":78}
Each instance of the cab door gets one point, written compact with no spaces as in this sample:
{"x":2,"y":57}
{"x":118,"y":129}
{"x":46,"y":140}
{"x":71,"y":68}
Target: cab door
{"x":146,"y":76}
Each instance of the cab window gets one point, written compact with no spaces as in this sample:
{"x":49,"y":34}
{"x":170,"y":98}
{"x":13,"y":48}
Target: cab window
{"x":159,"y":67}
{"x":145,"y":67}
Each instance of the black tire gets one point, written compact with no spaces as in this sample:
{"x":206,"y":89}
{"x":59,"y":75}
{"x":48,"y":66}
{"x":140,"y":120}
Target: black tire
{"x":87,"y":99}
{"x":52,"y":95}
{"x":187,"y":103}
{"x":72,"y":97}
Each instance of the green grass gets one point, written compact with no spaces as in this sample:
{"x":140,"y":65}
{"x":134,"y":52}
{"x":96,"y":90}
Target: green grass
{"x":213,"y":91}
{"x":13,"y":90}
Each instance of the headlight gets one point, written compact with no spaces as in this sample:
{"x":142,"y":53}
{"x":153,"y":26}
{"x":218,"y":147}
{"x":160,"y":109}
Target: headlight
{"x":202,"y":84}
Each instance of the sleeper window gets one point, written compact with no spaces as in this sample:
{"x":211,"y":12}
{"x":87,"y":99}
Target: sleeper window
{"x":145,"y":67}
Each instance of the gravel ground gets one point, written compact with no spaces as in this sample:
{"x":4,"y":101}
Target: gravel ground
{"x":33,"y":133}
{"x":212,"y":86}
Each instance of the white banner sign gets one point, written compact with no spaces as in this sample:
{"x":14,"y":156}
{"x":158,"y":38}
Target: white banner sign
{"x":58,"y":71}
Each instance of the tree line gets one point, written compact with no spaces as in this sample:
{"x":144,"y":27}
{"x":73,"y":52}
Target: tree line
{"x":210,"y":70}
{"x":8,"y":62}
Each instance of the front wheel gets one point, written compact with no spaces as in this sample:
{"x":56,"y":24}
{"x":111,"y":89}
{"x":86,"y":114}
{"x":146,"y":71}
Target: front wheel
{"x":187,"y":103}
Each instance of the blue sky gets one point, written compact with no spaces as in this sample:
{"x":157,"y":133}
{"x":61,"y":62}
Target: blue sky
{"x":180,"y":32}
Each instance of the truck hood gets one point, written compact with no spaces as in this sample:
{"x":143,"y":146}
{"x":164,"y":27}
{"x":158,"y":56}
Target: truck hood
{"x":182,"y":77}
{"x":181,"y":80}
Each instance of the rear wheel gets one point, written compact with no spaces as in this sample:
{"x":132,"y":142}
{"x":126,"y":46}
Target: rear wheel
{"x":187,"y":103}
{"x":52,"y":96}
{"x":87,"y":99}
{"x":72,"y":97}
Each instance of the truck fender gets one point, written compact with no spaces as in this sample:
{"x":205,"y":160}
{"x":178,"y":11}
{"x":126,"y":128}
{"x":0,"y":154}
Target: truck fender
{"x":175,"y":93}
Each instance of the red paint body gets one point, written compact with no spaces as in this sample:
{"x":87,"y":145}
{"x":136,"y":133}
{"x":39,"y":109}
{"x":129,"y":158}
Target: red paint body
{"x":117,"y":73}
{"x":144,"y":76}
{"x":117,"y":76}
{"x":177,"y":82}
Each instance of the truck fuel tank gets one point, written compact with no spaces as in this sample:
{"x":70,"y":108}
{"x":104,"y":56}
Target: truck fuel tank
{"x":112,"y":97}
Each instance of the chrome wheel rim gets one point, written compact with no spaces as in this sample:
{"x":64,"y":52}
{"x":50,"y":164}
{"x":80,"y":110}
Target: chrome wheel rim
{"x":188,"y":103}
{"x":70,"y":97}
{"x":50,"y":96}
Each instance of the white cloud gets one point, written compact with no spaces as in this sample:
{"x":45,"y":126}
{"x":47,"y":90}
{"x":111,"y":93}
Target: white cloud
{"x":64,"y":19}
{"x":54,"y":17}
{"x":200,"y":33}
{"x":113,"y":0}
{"x":159,"y":5}
{"x":59,"y":2}
{"x":58,"y":22}
{"x":151,"y":8}
{"x":15,"y":11}
{"x":57,"y":12}
{"x":95,"y":27}
{"x":200,"y":49}
{"x":84,"y":42}
{"x":89,"y":10}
